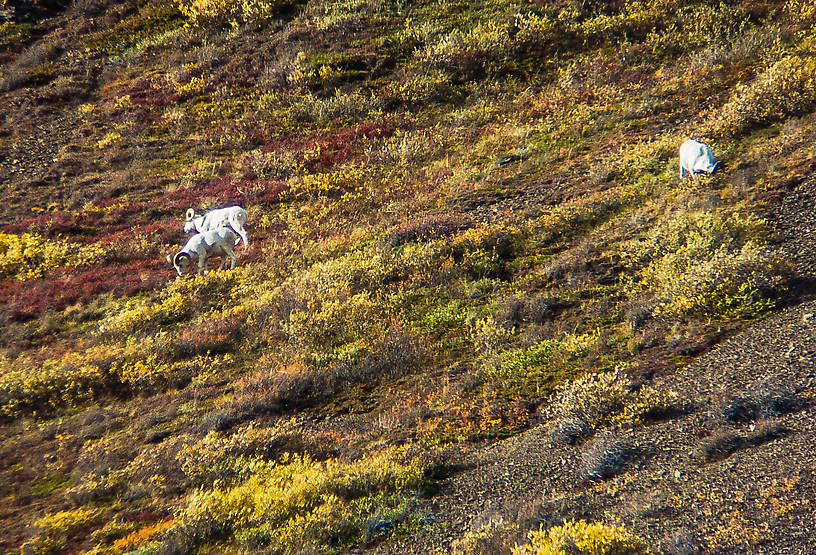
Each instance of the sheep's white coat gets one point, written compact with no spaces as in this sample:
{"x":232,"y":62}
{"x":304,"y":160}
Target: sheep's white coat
{"x":230,"y":216}
{"x":216,"y":242}
{"x":696,"y":157}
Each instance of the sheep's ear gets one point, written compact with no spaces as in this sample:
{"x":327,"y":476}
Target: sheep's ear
{"x":190,"y":214}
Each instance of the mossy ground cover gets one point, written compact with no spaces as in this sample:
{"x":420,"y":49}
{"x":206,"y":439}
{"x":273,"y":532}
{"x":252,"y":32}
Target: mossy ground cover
{"x":456,"y":208}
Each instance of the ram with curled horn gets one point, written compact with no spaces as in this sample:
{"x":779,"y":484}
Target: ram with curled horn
{"x":201,"y":246}
{"x":233,"y":217}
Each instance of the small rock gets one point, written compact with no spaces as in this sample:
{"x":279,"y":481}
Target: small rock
{"x":807,"y":318}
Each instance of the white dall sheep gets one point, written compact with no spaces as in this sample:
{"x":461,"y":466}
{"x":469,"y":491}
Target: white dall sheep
{"x":216,"y":242}
{"x":231,"y":216}
{"x":696,"y":157}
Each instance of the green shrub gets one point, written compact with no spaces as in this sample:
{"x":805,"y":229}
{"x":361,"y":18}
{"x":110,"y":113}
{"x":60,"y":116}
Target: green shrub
{"x":537,"y":370}
{"x":153,"y":20}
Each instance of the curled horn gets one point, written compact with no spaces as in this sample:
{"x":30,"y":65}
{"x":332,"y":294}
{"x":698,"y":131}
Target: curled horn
{"x":190,"y":214}
{"x":178,"y":257}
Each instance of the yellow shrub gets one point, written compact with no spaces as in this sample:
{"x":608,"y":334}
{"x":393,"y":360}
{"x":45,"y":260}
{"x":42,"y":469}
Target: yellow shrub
{"x":298,"y":502}
{"x":29,"y":256}
{"x":328,"y":183}
{"x":708,"y":261}
{"x":180,"y":299}
{"x":786,"y":88}
{"x":68,"y":380}
{"x":582,"y":538}
{"x":326,"y":16}
{"x":211,"y":13}
{"x":802,"y":12}
{"x":490,"y":37}
{"x":55,"y":529}
{"x":108,"y":139}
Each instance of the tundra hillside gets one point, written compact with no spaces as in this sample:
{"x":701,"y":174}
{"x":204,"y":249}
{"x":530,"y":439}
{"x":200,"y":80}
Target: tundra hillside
{"x":466,"y":227}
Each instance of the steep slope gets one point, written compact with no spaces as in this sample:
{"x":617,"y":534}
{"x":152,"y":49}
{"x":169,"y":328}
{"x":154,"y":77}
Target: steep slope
{"x":478,"y":297}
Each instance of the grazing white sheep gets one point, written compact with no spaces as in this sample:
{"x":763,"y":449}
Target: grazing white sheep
{"x":216,"y":242}
{"x":696,"y":157}
{"x":230,"y":216}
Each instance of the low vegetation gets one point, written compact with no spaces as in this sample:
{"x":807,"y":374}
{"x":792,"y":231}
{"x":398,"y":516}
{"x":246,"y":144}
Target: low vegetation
{"x":465,"y":220}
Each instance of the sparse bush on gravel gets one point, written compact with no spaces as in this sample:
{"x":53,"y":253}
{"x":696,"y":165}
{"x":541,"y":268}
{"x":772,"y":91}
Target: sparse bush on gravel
{"x":764,"y":398}
{"x":724,"y":441}
{"x":721,"y":444}
{"x":588,"y":403}
{"x":604,"y":456}
{"x":568,"y":431}
{"x":486,"y":538}
{"x":681,"y":542}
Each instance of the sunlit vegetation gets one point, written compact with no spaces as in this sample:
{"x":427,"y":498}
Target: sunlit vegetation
{"x":583,"y":537}
{"x":463,"y":215}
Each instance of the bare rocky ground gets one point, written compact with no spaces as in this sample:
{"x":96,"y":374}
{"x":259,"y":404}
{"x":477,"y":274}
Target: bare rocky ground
{"x":695,"y":482}
{"x":24,"y":173}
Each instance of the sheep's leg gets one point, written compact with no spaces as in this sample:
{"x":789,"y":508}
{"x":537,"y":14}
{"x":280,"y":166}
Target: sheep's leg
{"x":202,"y":263}
{"x":229,"y":252}
{"x":243,"y":235}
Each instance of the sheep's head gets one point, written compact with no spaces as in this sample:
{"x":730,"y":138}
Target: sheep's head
{"x":181,"y":262}
{"x":189,"y":217}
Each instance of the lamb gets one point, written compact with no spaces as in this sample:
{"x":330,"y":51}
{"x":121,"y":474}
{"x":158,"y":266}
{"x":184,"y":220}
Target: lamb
{"x":230,"y":216}
{"x":216,"y":242}
{"x":696,"y":157}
